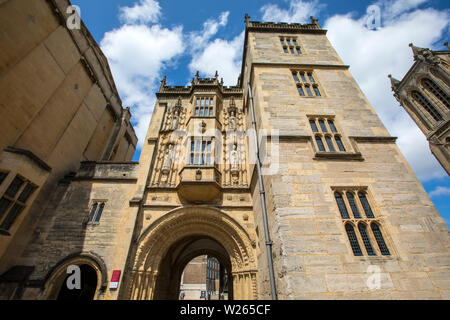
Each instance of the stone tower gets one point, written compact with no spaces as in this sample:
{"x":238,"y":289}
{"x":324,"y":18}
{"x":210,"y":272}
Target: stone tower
{"x":424,"y":94}
{"x":347,"y":217}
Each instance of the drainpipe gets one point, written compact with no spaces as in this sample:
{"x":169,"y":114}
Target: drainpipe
{"x":262,"y":194}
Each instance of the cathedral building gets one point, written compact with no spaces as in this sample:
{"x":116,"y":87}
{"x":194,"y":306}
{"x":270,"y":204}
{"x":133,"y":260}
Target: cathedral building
{"x":424,"y":93}
{"x":334,"y":203}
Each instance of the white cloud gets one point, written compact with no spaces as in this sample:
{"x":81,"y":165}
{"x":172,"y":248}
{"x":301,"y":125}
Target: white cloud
{"x":299,"y":11}
{"x":394,"y":8}
{"x":223,"y":56}
{"x":209,"y":56}
{"x":440,"y":191}
{"x":200,"y":39}
{"x":372,"y":55}
{"x":137,"y":54}
{"x":143,"y":12}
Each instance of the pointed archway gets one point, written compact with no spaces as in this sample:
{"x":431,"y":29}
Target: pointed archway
{"x":164,"y":249}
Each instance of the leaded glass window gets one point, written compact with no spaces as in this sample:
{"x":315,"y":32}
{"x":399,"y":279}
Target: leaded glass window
{"x":353,"y":206}
{"x":365,"y":205}
{"x":305,"y":82}
{"x":330,"y":144}
{"x":326,"y":129}
{"x":380,"y":240}
{"x":353,"y":240}
{"x":368,"y":235}
{"x":96,"y":212}
{"x":204,"y":107}
{"x":320,"y":143}
{"x":201,"y":152}
{"x":341,"y":205}
{"x":420,"y":99}
{"x":14,"y":201}
{"x":366,"y":240}
{"x":436,"y":91}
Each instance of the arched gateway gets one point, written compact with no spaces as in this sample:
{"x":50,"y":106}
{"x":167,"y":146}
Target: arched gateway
{"x":167,"y":245}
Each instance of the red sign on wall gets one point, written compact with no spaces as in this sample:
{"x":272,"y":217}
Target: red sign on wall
{"x":114,"y":283}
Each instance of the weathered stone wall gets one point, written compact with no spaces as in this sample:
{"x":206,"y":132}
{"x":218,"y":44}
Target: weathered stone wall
{"x":65,"y":230}
{"x":58,"y":101}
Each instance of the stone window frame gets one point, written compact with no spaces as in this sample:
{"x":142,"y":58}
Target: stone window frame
{"x":290,"y":45}
{"x":202,"y":154}
{"x":351,"y":149}
{"x":355,"y":223}
{"x":93,"y":218}
{"x":429,"y":114}
{"x":435,"y":93}
{"x":200,"y":106}
{"x":307,"y":84}
{"x":327,"y":131}
{"x":19,"y":200}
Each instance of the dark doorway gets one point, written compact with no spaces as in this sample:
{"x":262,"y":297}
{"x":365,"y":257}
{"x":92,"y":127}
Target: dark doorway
{"x":88,"y":286}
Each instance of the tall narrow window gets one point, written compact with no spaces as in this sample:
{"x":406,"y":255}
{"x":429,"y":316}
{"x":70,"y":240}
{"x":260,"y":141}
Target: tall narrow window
{"x":322,"y":126}
{"x":93,"y":211}
{"x":330,"y":144}
{"x":313,"y":126}
{"x":353,"y":239}
{"x":332,"y":126}
{"x":14,"y":201}
{"x":339,"y":143}
{"x":320,"y":143}
{"x":99,"y":213}
{"x":365,"y":205}
{"x":419,"y":98}
{"x":366,"y":240}
{"x":96,"y":212}
{"x":316,"y":91}
{"x":380,"y":240}
{"x":341,"y":205}
{"x":436,"y":91}
{"x":308,"y":91}
{"x":353,"y":206}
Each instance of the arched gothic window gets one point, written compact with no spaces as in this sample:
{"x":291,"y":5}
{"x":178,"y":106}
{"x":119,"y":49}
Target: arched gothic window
{"x":419,"y":98}
{"x":366,"y":239}
{"x":353,"y":239}
{"x":380,"y":240}
{"x":436,"y":91}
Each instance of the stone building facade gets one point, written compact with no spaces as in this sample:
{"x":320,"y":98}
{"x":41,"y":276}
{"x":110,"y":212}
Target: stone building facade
{"x":424,"y":93}
{"x":59,"y":106}
{"x":347,"y":216}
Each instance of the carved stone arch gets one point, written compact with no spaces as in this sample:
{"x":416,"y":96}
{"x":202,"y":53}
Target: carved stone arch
{"x":182,"y":223}
{"x":52,"y":281}
{"x":440,"y":74}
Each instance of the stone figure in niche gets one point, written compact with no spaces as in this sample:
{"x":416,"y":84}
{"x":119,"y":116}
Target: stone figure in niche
{"x":175,"y":120}
{"x":233,"y":122}
{"x":234,"y":158}
{"x":167,"y":163}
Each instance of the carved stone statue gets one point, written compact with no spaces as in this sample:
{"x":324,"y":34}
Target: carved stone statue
{"x":167,"y":163}
{"x":234,"y":158}
{"x":233,"y":122}
{"x":175,"y":120}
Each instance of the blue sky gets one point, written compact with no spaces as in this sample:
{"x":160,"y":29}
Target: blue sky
{"x":146,"y":39}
